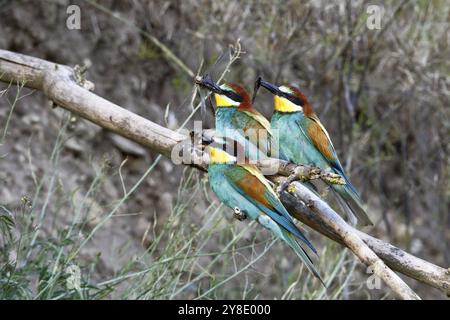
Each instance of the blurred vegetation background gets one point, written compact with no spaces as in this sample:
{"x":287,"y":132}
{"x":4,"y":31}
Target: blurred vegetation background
{"x":69,"y":227}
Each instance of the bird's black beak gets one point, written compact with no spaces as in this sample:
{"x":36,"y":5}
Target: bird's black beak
{"x":271,"y":87}
{"x":256,"y":88}
{"x":208,"y":83}
{"x":207,"y":137}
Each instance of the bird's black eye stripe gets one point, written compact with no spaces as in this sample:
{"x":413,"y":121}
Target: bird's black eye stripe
{"x":233,"y":96}
{"x":295,"y":100}
{"x":292,"y":98}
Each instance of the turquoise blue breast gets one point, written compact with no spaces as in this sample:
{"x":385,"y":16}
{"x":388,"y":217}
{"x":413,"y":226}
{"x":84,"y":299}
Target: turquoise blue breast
{"x":226,"y":193}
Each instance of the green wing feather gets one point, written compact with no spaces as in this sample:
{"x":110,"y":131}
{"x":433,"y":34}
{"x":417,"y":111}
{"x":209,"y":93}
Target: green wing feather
{"x":348,"y":191}
{"x":259,"y":118}
{"x":270,"y":204}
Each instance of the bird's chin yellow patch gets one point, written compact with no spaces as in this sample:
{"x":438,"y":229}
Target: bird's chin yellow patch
{"x":223,"y":101}
{"x":284,"y":105}
{"x":220,"y":156}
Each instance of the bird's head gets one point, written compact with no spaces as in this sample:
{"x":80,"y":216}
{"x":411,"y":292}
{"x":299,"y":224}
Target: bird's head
{"x":227,"y":94}
{"x":287,"y":98}
{"x":223,"y":150}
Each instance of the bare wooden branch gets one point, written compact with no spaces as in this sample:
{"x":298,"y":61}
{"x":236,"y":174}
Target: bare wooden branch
{"x":394,"y":257}
{"x":60,"y":84}
{"x":351,"y":239}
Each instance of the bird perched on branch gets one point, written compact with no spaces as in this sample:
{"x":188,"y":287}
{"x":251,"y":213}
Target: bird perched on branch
{"x":244,"y":188}
{"x":304,"y":140}
{"x":237,"y":119}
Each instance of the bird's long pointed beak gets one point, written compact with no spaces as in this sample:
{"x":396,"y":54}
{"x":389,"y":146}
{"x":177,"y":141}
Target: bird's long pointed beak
{"x":256,"y":88}
{"x":208,"y":83}
{"x":207,"y":137}
{"x":271,"y":87}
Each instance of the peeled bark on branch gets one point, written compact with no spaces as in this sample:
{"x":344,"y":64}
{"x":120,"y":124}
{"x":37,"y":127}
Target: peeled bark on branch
{"x":68,"y":89}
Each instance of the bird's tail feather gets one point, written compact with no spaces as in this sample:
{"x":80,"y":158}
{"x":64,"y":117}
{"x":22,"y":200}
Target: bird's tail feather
{"x":353,"y":201}
{"x":352,"y":219}
{"x":311,"y":187}
{"x":301,"y":253}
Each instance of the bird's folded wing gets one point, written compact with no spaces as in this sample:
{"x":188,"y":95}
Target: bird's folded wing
{"x":260,"y":119}
{"x":249,"y":182}
{"x":316,"y":133}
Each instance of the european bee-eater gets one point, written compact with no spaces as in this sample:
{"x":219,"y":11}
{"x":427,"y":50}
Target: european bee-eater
{"x":304,"y":140}
{"x":237,"y":119}
{"x":244,"y":188}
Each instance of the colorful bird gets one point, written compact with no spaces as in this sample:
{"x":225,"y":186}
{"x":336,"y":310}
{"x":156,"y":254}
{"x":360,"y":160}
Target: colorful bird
{"x":243,"y":188}
{"x":304,"y":140}
{"x":237,"y":119}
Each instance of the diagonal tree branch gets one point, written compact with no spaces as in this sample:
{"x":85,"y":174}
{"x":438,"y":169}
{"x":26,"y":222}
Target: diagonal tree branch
{"x":394,"y":257}
{"x":350,"y":238}
{"x":68,"y":89}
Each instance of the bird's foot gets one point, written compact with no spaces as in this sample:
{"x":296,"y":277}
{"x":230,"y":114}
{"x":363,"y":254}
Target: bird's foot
{"x":239,"y":214}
